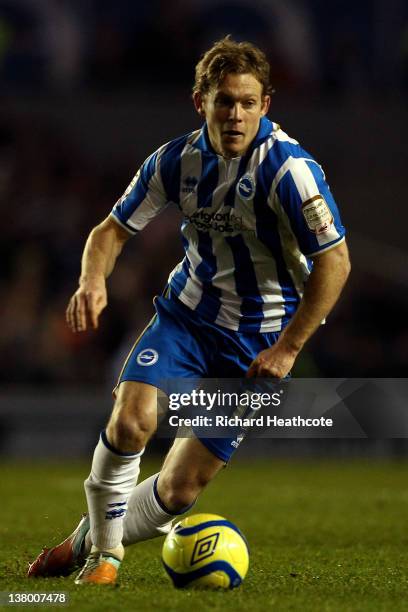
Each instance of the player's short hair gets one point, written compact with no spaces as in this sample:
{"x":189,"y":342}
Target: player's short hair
{"x":228,"y":56}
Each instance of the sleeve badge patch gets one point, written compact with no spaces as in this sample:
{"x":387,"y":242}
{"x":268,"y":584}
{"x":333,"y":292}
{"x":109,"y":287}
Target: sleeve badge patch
{"x":317,"y":215}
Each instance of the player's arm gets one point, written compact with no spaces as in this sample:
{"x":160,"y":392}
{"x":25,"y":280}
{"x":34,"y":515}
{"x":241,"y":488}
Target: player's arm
{"x":323,"y":288}
{"x":102,"y":248}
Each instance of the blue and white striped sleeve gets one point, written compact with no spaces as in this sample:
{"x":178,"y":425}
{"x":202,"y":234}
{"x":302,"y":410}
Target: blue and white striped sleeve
{"x":144,"y":198}
{"x":304,"y":196}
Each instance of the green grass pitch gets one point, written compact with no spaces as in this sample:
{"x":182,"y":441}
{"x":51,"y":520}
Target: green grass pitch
{"x":324,"y":535}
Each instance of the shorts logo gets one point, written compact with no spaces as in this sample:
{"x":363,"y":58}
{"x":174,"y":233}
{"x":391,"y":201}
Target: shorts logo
{"x":237,"y":442}
{"x":317,"y":215}
{"x":246,"y":187}
{"x":147,"y":357}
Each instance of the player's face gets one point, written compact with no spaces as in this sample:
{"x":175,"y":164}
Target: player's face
{"x":233,"y":110}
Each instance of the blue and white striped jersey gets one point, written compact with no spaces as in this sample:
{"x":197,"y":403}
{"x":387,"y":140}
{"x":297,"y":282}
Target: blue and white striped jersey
{"x":250,"y":224}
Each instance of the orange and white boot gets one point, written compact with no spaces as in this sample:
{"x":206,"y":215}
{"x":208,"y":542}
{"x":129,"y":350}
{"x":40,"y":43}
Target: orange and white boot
{"x":101,"y":567}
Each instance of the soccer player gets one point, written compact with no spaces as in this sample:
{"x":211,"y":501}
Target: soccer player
{"x":265,"y":261}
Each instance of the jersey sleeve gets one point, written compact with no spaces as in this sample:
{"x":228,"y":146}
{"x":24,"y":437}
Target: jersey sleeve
{"x":144,"y":198}
{"x":304,"y":196}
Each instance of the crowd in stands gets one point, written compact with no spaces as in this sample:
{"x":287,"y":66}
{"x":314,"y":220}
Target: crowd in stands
{"x":340,"y":46}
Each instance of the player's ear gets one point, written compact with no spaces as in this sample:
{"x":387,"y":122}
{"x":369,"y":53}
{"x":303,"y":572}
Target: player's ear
{"x":266,"y":102}
{"x":199,"y":103}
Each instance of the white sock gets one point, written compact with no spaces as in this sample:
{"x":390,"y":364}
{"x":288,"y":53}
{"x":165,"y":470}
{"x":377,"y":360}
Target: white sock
{"x":147,"y":517}
{"x":112,"y":479}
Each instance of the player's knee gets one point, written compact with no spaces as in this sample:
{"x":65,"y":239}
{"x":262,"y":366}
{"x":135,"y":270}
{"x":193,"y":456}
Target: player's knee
{"x":129,"y":429}
{"x":127,"y":435}
{"x":178,"y":499}
{"x":178,"y":493}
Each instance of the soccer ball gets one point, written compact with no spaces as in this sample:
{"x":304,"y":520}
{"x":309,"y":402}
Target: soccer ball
{"x":205,"y":550}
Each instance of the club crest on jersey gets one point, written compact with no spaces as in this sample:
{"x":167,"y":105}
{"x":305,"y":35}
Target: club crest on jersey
{"x":147,"y":357}
{"x":246,"y":187}
{"x":317,"y":215}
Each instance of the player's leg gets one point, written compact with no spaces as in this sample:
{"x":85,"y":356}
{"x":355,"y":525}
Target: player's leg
{"x":191,"y":462}
{"x":155,"y":502}
{"x":116,"y":461}
{"x":187,"y":469}
{"x":168,"y":349}
{"x":114,"y":473}
{"x":152,"y":507}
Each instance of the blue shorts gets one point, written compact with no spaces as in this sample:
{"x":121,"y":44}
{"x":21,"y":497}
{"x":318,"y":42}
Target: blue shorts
{"x":179,"y":344}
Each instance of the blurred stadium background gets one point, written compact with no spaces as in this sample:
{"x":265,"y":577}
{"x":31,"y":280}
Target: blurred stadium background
{"x":89,"y":88}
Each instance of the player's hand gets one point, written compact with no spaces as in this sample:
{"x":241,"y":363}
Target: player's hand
{"x":86,"y":305}
{"x":274,"y":362}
